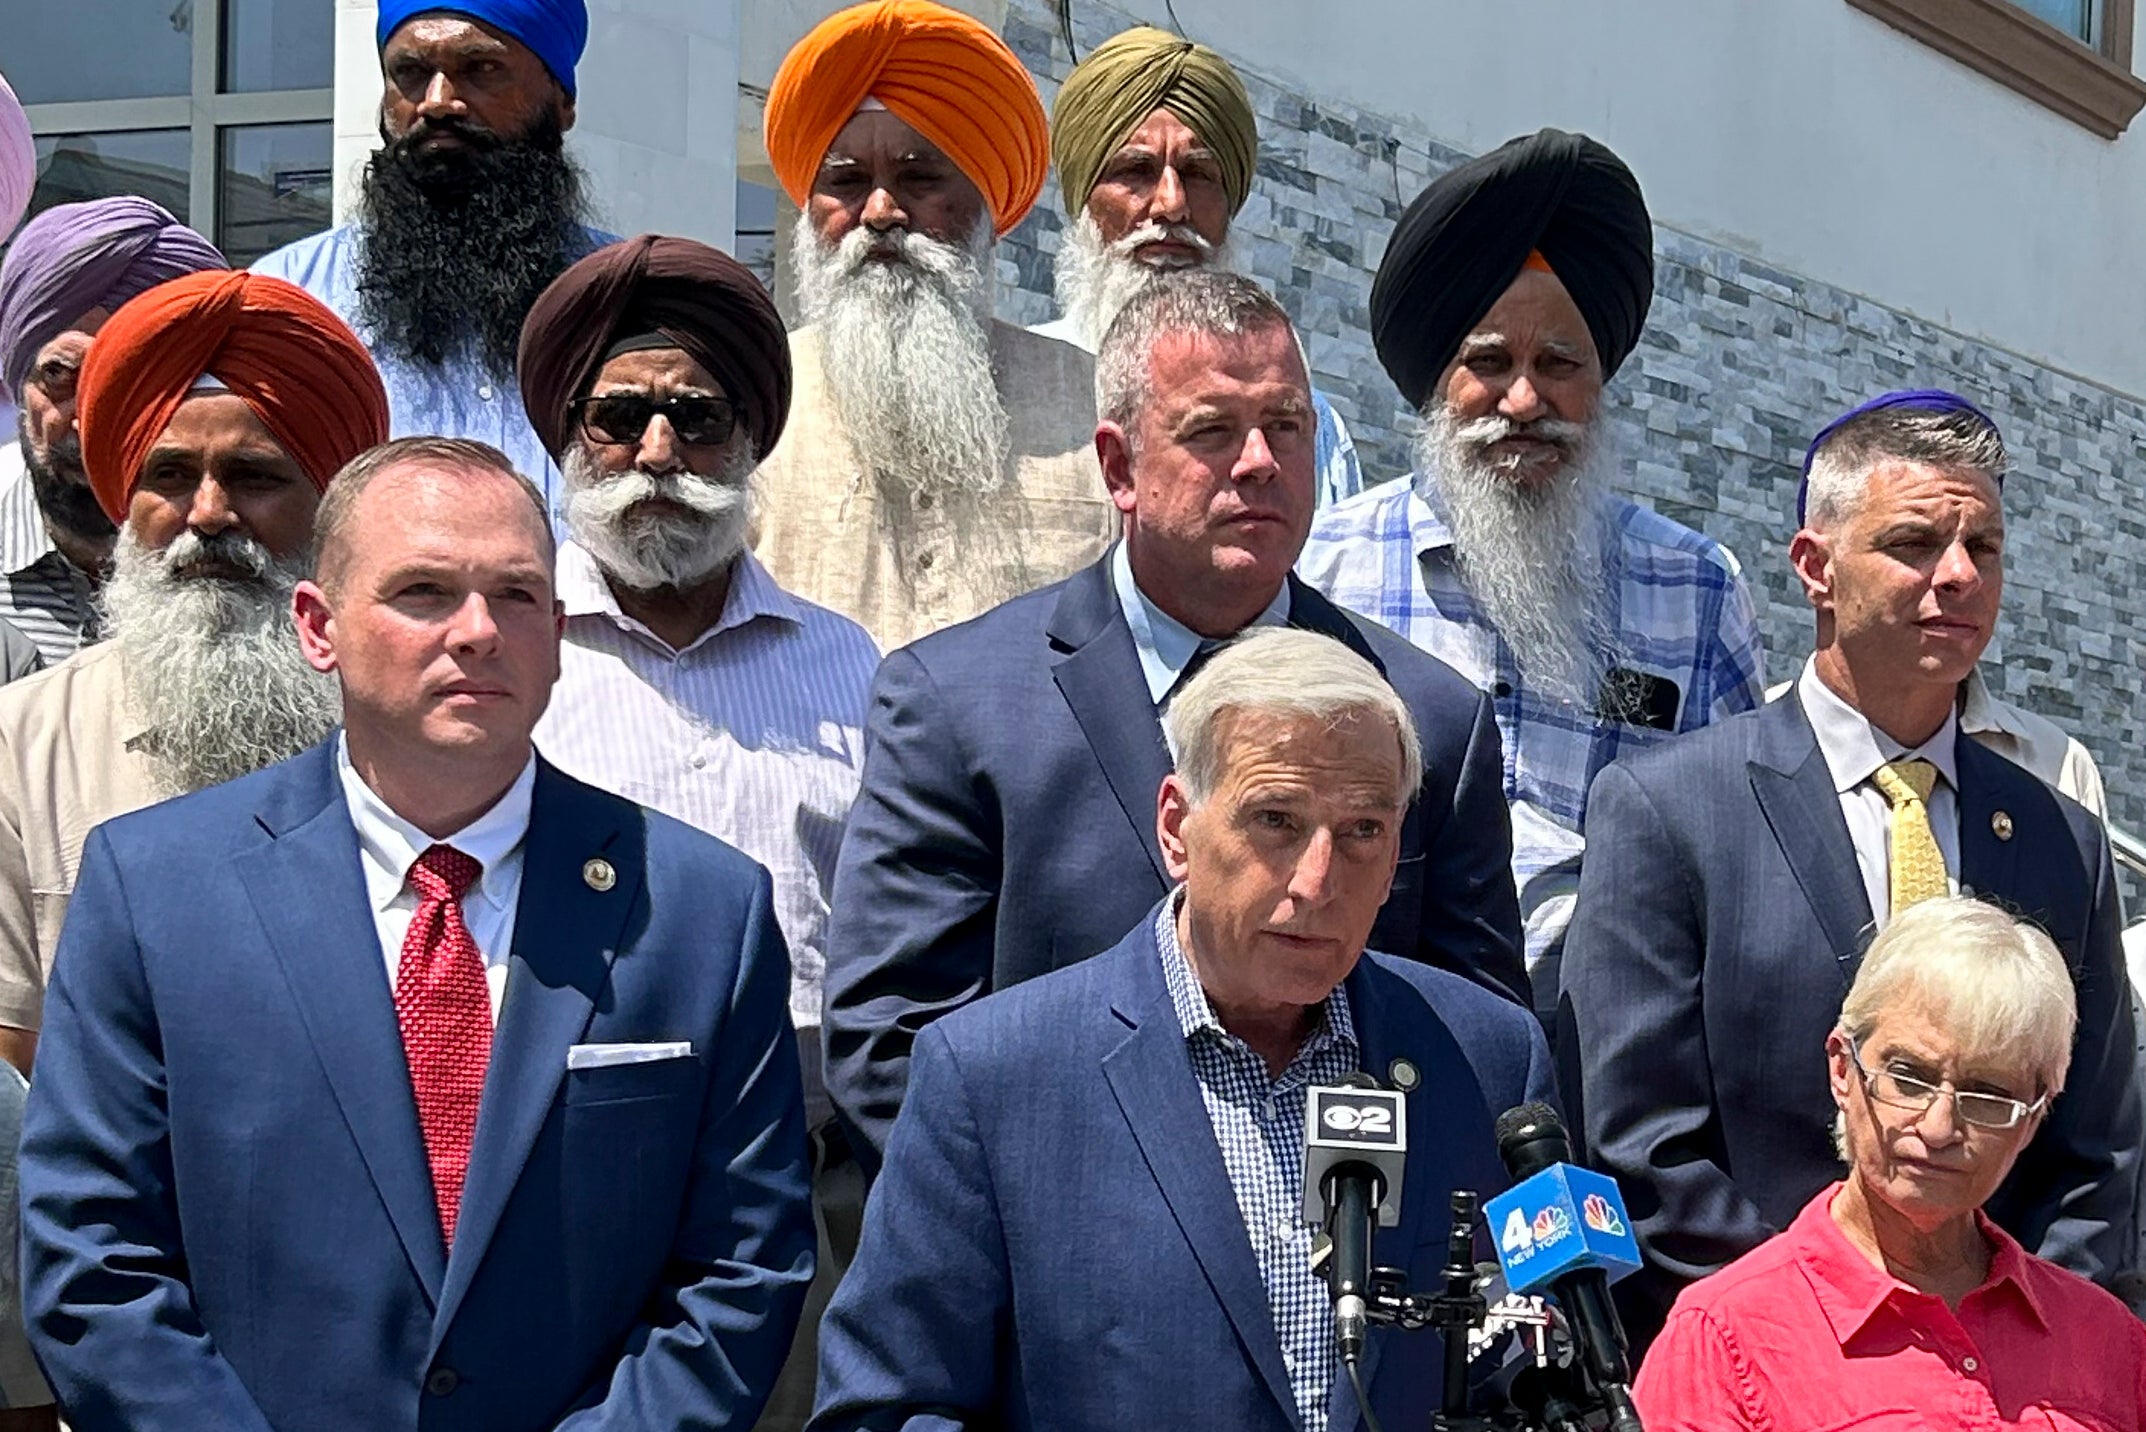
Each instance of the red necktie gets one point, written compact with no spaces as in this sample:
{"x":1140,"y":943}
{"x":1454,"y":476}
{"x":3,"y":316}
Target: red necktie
{"x":446,"y":1016}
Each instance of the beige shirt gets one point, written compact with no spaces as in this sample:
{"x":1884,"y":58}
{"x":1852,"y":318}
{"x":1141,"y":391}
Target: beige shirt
{"x":70,"y":759}
{"x":2033,"y":742}
{"x":904,"y":566}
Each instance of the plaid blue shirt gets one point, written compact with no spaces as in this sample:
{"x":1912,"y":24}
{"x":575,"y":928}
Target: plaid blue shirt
{"x":1259,"y":1124}
{"x":1680,"y":612}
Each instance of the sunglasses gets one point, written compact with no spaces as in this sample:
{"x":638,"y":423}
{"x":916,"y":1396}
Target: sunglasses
{"x":619,"y":418}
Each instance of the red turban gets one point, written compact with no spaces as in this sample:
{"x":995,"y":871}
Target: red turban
{"x":946,"y":76}
{"x":297,"y":365}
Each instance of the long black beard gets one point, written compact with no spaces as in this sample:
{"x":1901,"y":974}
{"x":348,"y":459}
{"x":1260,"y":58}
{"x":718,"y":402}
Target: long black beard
{"x":61,"y":487}
{"x":458,"y":243}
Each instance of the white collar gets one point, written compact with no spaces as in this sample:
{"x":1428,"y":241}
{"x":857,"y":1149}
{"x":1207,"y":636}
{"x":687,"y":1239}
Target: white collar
{"x":392,"y":845}
{"x":1854,"y":749}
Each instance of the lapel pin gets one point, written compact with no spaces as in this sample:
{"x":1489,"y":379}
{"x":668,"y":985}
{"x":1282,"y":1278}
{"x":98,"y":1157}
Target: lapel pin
{"x":598,"y":875}
{"x":1403,"y":1076}
{"x":2001,"y":824}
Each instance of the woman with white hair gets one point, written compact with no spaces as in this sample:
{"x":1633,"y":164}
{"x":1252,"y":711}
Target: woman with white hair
{"x":1892,"y":1301}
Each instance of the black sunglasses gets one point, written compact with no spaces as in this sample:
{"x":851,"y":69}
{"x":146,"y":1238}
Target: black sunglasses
{"x":623,"y":417}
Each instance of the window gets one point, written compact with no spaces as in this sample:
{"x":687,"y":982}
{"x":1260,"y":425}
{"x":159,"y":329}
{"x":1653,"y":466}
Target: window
{"x":2072,"y":55}
{"x":756,"y":246}
{"x":217,"y":109}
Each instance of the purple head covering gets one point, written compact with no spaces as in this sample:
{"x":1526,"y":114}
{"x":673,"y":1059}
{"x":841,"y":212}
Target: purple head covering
{"x":76,"y":257}
{"x":18,"y":161}
{"x":1928,"y":400}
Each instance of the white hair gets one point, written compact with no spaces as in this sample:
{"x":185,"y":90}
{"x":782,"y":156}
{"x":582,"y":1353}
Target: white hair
{"x":1095,"y":278}
{"x":905,"y":333}
{"x":211,"y":661}
{"x":1996,"y":984}
{"x":1840,"y":470}
{"x":1530,"y":553}
{"x":1281,"y":671}
{"x":647,"y":548}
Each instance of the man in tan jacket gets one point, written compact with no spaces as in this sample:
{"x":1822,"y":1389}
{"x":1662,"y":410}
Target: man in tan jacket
{"x":937,"y":461}
{"x":215,"y":409}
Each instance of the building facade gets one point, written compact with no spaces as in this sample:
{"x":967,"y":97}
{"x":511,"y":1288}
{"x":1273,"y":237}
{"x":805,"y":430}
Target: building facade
{"x":1850,"y":195}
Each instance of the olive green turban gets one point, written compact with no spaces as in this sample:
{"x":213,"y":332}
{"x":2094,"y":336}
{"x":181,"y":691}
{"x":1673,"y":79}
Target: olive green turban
{"x":1130,"y":76}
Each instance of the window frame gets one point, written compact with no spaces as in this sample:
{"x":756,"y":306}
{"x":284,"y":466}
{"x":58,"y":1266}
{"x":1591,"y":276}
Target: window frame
{"x":2093,"y":87}
{"x":204,"y":113}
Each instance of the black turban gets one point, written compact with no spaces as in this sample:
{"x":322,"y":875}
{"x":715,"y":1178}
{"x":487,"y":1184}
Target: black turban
{"x":1466,"y":238}
{"x":700,"y":299}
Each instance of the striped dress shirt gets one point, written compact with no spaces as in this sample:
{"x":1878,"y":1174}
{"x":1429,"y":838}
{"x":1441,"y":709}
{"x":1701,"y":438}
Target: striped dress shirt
{"x":754,"y":733}
{"x":1678,"y":611}
{"x":47,"y":597}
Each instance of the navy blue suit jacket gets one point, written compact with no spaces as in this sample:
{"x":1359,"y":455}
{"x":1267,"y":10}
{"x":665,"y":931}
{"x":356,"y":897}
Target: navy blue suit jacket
{"x":1054,"y":1241}
{"x":1006,"y":824}
{"x":1721,"y":916}
{"x":228,"y":1217}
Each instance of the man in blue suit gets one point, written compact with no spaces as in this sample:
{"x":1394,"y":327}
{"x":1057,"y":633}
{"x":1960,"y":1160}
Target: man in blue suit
{"x":1090,"y":1216}
{"x":279,"y":1171}
{"x":1005,"y":825}
{"x":1735,"y":876}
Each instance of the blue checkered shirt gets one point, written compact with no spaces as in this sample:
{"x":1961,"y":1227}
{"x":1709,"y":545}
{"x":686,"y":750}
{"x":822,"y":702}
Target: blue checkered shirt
{"x":1259,"y":1124}
{"x":1679,"y":609}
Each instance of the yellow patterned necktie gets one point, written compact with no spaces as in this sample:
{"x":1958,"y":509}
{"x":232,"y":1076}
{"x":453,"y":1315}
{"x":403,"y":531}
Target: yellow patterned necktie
{"x":1917,"y":867}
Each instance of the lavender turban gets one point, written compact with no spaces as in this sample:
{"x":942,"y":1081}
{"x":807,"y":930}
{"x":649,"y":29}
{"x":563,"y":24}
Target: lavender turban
{"x":76,"y":257}
{"x":18,"y":161}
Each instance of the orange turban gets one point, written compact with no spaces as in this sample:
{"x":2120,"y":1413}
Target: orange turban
{"x":946,"y":76}
{"x":297,"y":365}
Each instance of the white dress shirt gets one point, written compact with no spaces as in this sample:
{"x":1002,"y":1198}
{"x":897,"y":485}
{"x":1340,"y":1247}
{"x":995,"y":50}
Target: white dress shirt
{"x":753,"y":733}
{"x":388,"y":846}
{"x":1853,"y":750}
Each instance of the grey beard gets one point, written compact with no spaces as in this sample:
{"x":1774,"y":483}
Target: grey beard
{"x":906,"y":354}
{"x":1530,"y":555}
{"x":1094,"y":280}
{"x":649,"y":550}
{"x":212,"y":662}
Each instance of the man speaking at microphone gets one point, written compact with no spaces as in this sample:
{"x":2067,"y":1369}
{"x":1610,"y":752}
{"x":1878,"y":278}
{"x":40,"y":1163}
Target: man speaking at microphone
{"x":1091,"y":1210}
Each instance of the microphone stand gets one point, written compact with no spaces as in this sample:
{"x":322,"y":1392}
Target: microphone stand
{"x":1552,"y":1399}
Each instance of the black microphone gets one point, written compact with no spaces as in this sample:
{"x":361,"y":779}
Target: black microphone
{"x":1532,"y":1140}
{"x":1355,"y":1153}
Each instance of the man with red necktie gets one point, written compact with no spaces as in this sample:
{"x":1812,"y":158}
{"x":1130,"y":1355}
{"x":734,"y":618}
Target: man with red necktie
{"x":412,"y":1083}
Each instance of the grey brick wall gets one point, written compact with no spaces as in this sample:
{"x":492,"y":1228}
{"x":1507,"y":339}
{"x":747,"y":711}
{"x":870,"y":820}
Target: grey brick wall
{"x":1740,"y":364}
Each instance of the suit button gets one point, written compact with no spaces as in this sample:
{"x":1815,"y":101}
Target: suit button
{"x":442,"y":1380}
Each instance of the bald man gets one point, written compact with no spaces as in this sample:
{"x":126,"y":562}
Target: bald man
{"x":937,"y":461}
{"x":215,"y":410}
{"x":1156,"y":146}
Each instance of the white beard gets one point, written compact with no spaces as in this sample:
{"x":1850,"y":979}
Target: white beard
{"x":906,"y":349}
{"x":1094,"y":280}
{"x":1530,"y":555}
{"x":212,"y":661}
{"x":649,"y":550}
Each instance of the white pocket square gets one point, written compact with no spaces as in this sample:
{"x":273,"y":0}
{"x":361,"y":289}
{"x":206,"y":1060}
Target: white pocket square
{"x":603,"y":1056}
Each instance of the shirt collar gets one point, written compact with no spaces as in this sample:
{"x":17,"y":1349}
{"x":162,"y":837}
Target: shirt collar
{"x":1851,"y":1290}
{"x":392,"y":845}
{"x":1196,"y":1016}
{"x":1854,"y":749}
{"x":753,"y":594}
{"x":1165,"y":644}
{"x":1981,"y":712}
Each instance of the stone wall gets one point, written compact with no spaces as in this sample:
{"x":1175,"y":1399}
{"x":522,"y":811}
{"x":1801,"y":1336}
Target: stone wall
{"x":1739,"y":365}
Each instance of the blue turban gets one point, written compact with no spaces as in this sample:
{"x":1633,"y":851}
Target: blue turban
{"x":556,"y":31}
{"x":1926,"y":400}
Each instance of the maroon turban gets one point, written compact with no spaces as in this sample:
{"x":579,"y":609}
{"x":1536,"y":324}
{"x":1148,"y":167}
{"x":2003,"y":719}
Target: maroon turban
{"x":700,"y":299}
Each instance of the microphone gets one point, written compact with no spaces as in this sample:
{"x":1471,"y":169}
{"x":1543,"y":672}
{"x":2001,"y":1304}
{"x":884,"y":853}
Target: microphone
{"x":1355,"y":1152}
{"x":1565,"y":1228}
